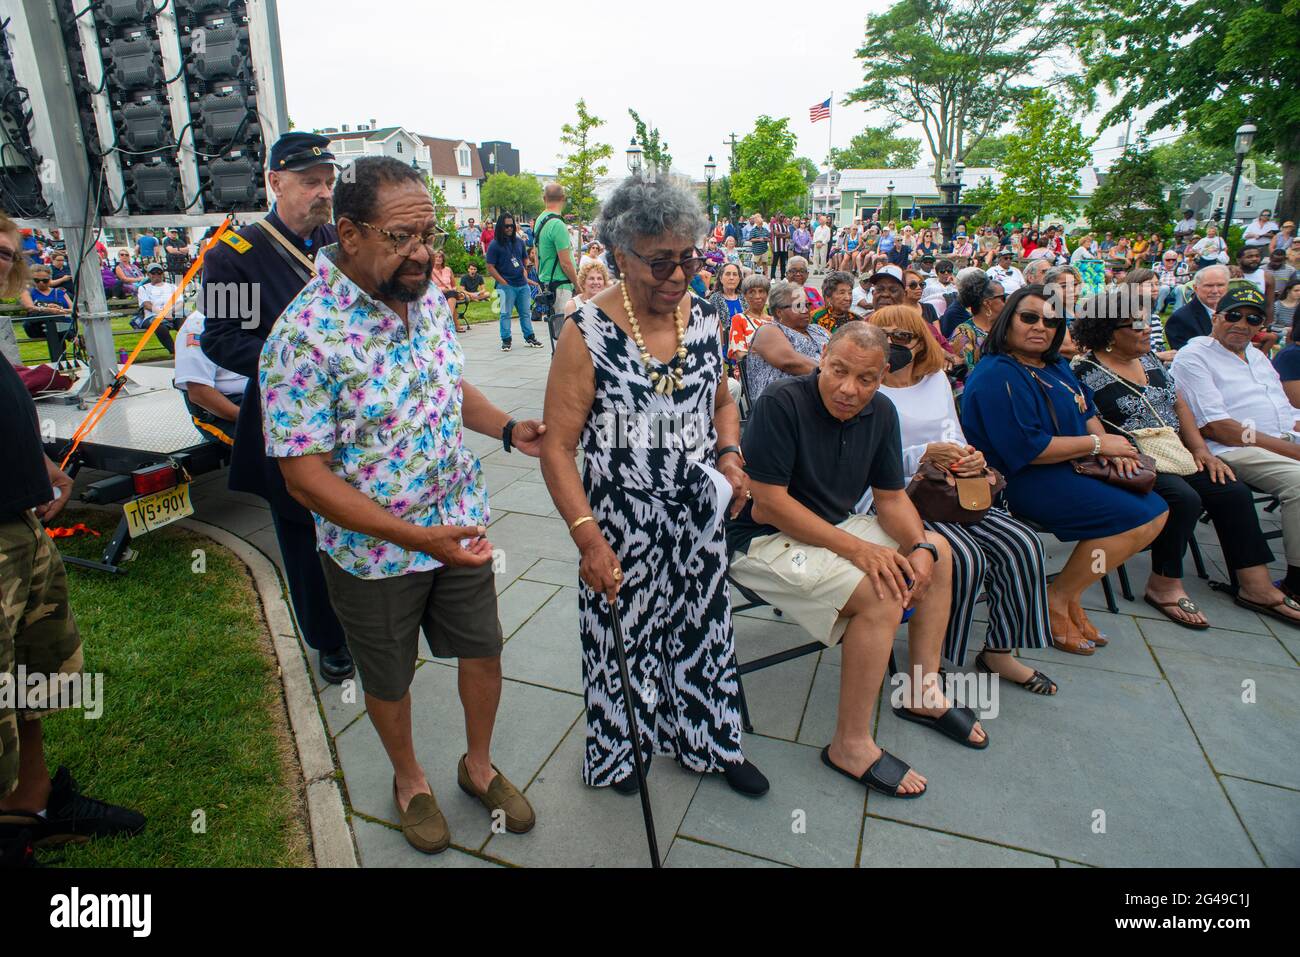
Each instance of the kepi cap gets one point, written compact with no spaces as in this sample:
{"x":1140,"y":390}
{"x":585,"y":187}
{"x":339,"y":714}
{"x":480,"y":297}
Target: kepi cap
{"x":297,"y":151}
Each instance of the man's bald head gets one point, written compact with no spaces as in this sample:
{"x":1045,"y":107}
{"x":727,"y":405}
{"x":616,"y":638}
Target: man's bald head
{"x":553,"y":193}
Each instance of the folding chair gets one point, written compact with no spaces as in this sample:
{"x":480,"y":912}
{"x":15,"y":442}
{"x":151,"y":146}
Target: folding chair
{"x":1111,"y":605}
{"x":1271,"y":504}
{"x":745,"y":405}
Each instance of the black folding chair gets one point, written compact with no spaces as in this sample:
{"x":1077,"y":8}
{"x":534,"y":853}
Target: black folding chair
{"x":1111,"y":604}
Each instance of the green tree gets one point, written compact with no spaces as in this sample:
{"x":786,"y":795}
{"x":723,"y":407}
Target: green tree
{"x":1206,"y":65}
{"x":1181,"y":163}
{"x":878,"y":147}
{"x":1040,"y":172}
{"x":1130,"y":201}
{"x":767,"y":177}
{"x":990,"y":151}
{"x":583,"y":165}
{"x":654,"y":154}
{"x":954,"y":66}
{"x":808,"y":168}
{"x":519,"y":195}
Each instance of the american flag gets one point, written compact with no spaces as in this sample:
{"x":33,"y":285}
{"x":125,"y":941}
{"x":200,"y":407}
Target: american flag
{"x":820,"y":111}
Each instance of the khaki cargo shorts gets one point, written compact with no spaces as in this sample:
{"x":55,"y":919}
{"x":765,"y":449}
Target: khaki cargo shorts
{"x":810,"y":585}
{"x":37,"y":630}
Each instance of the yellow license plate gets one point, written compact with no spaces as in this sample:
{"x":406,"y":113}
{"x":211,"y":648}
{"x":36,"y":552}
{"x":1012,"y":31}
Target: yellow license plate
{"x":151,"y":512}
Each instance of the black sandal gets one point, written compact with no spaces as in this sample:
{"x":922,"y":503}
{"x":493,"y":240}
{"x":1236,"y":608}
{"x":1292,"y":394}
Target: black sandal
{"x":1037,"y":683}
{"x":883,"y":777}
{"x":955,"y":723}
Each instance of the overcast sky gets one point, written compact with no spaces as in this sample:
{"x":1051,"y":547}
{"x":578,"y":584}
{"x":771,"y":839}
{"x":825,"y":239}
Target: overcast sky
{"x":513,"y":70}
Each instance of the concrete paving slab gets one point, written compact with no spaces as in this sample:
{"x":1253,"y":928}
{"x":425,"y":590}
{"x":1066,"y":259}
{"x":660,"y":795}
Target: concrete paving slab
{"x":526,"y":497}
{"x":1221,"y":644}
{"x":1272,"y":816}
{"x":519,"y":602}
{"x":1127,"y":652}
{"x":535,"y":535}
{"x":811,"y":817}
{"x":381,"y":846}
{"x":553,"y":572}
{"x":1249,"y":740}
{"x":529,"y":724}
{"x":581,"y":826}
{"x":546,"y":650}
{"x":781,"y":689}
{"x":1107,"y":743}
{"x":688,"y":853}
{"x":890,"y":844}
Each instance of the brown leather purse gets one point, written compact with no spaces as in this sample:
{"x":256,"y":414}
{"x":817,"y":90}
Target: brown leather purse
{"x":1095,"y":466}
{"x":940,"y":496}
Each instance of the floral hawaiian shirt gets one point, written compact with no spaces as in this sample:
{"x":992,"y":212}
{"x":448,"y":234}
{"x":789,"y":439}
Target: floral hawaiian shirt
{"x":341,"y":374}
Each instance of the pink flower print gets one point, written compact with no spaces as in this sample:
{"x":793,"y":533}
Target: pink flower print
{"x":272,"y":394}
{"x":399,"y":506}
{"x":300,"y":440}
{"x":367,"y":472}
{"x":299,"y":378}
{"x":358,"y":395}
{"x":390,"y":421}
{"x":317,"y":357}
{"x":354,"y":338}
{"x":378,"y":552}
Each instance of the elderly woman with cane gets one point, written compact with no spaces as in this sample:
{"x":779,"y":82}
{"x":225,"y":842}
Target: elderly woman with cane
{"x":635,"y":385}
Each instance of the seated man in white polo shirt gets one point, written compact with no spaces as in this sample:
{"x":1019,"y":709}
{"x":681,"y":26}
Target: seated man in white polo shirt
{"x":1240,"y":407}
{"x":212,"y":394}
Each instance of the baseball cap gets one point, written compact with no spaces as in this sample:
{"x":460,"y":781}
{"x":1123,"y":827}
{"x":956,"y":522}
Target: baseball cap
{"x":1241,"y":295}
{"x":154,"y":267}
{"x":893,"y":272}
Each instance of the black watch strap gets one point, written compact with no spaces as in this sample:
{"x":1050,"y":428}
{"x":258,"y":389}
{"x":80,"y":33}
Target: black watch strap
{"x":506,"y":433}
{"x":727,"y":449}
{"x":928,"y":546}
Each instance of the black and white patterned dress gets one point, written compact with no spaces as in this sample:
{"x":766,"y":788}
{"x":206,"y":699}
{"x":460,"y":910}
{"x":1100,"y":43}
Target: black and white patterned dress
{"x":656,"y":508}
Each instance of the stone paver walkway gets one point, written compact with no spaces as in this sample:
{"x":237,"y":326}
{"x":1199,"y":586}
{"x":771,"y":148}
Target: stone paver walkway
{"x":1168,"y":748}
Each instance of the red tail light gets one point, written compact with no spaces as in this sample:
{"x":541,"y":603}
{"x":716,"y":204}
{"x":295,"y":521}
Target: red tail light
{"x":155,"y":478}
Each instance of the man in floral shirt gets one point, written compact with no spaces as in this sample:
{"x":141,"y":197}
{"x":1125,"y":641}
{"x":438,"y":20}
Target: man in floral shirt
{"x":364,"y":404}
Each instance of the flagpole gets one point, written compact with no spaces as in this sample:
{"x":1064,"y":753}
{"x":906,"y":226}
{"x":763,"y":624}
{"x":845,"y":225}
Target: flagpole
{"x":830,"y":126}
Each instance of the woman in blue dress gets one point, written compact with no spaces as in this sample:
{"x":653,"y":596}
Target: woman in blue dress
{"x":1024,"y":409}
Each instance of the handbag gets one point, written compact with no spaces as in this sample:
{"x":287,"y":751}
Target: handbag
{"x":1095,"y":466}
{"x":1161,"y":443}
{"x":940,"y":496}
{"x":40,"y":379}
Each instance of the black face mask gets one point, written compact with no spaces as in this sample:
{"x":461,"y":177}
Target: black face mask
{"x":900,"y":357}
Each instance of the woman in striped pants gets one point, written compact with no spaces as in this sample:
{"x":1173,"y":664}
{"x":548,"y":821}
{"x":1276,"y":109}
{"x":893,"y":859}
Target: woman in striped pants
{"x":997,"y":555}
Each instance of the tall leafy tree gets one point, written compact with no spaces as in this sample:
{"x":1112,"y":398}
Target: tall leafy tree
{"x":878,"y":147}
{"x":1182,"y":162}
{"x":1208,"y":65}
{"x":990,"y":151}
{"x":1040,"y":171}
{"x":520,"y":195}
{"x":583,"y":165}
{"x":956,"y":67}
{"x":1130,"y":200}
{"x":654,"y":152}
{"x":767,"y":178}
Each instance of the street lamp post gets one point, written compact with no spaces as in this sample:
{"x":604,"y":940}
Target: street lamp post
{"x":634,"y":157}
{"x":1241,"y":146}
{"x":709,"y":169}
{"x":889,"y":214}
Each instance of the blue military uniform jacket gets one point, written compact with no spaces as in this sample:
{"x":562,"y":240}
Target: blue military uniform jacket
{"x":246,"y":257}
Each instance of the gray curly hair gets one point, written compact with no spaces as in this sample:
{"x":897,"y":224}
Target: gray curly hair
{"x":637,"y":209}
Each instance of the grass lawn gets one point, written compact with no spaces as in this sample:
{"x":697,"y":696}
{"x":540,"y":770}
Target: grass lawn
{"x":193,"y":716}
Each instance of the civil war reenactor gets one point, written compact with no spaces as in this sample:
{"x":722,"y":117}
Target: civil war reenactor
{"x":248,"y":279}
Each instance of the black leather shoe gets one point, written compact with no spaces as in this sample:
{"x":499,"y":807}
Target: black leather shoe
{"x":628,"y":785}
{"x":746,"y":779}
{"x":336,"y":666}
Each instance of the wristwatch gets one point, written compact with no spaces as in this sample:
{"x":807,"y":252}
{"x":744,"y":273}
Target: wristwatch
{"x":506,"y":433}
{"x":728,"y":449}
{"x":934,"y":552}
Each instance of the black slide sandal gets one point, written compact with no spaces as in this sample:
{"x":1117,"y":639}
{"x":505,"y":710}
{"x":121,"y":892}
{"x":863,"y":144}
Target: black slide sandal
{"x":955,"y":723}
{"x":883,"y":777}
{"x":1271,"y":610}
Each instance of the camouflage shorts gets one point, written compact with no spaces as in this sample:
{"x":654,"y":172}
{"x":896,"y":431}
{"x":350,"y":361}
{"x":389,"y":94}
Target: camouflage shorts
{"x":37,"y":629}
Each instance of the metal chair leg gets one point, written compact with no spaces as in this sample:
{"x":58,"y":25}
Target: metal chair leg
{"x":1111,"y":605}
{"x":1197,"y":560}
{"x":1125,"y":588}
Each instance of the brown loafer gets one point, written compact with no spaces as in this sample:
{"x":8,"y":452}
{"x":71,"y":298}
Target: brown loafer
{"x":502,"y":796}
{"x":423,"y":825}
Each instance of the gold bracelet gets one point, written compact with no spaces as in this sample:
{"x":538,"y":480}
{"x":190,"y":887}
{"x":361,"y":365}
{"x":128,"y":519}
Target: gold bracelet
{"x":579,"y":522}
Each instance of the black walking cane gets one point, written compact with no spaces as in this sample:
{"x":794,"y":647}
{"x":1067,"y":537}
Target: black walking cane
{"x":634,"y":735}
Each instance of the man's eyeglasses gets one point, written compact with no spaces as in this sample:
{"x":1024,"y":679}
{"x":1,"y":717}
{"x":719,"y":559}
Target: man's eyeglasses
{"x":1033,"y":318}
{"x":1137,"y":325}
{"x":1250,"y":318}
{"x":661,"y":269}
{"x":404,"y":244}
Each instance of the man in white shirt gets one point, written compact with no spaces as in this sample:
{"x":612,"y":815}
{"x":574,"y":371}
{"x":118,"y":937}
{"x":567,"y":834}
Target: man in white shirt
{"x":153,"y":296}
{"x":940,"y":290}
{"x":1237,"y":400}
{"x":1261,"y":231}
{"x":1185,"y":226}
{"x":212,"y":394}
{"x":821,"y":244}
{"x":1005,"y":274}
{"x":861,"y":305}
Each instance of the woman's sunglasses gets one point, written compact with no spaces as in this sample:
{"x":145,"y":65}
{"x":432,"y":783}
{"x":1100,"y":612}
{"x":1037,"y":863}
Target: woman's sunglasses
{"x":661,"y":269}
{"x":1033,"y":318}
{"x":901,"y":337}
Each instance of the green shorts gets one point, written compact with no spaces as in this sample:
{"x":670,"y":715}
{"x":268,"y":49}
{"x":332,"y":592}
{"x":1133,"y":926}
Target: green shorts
{"x":37,"y":630}
{"x":382,"y":619}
